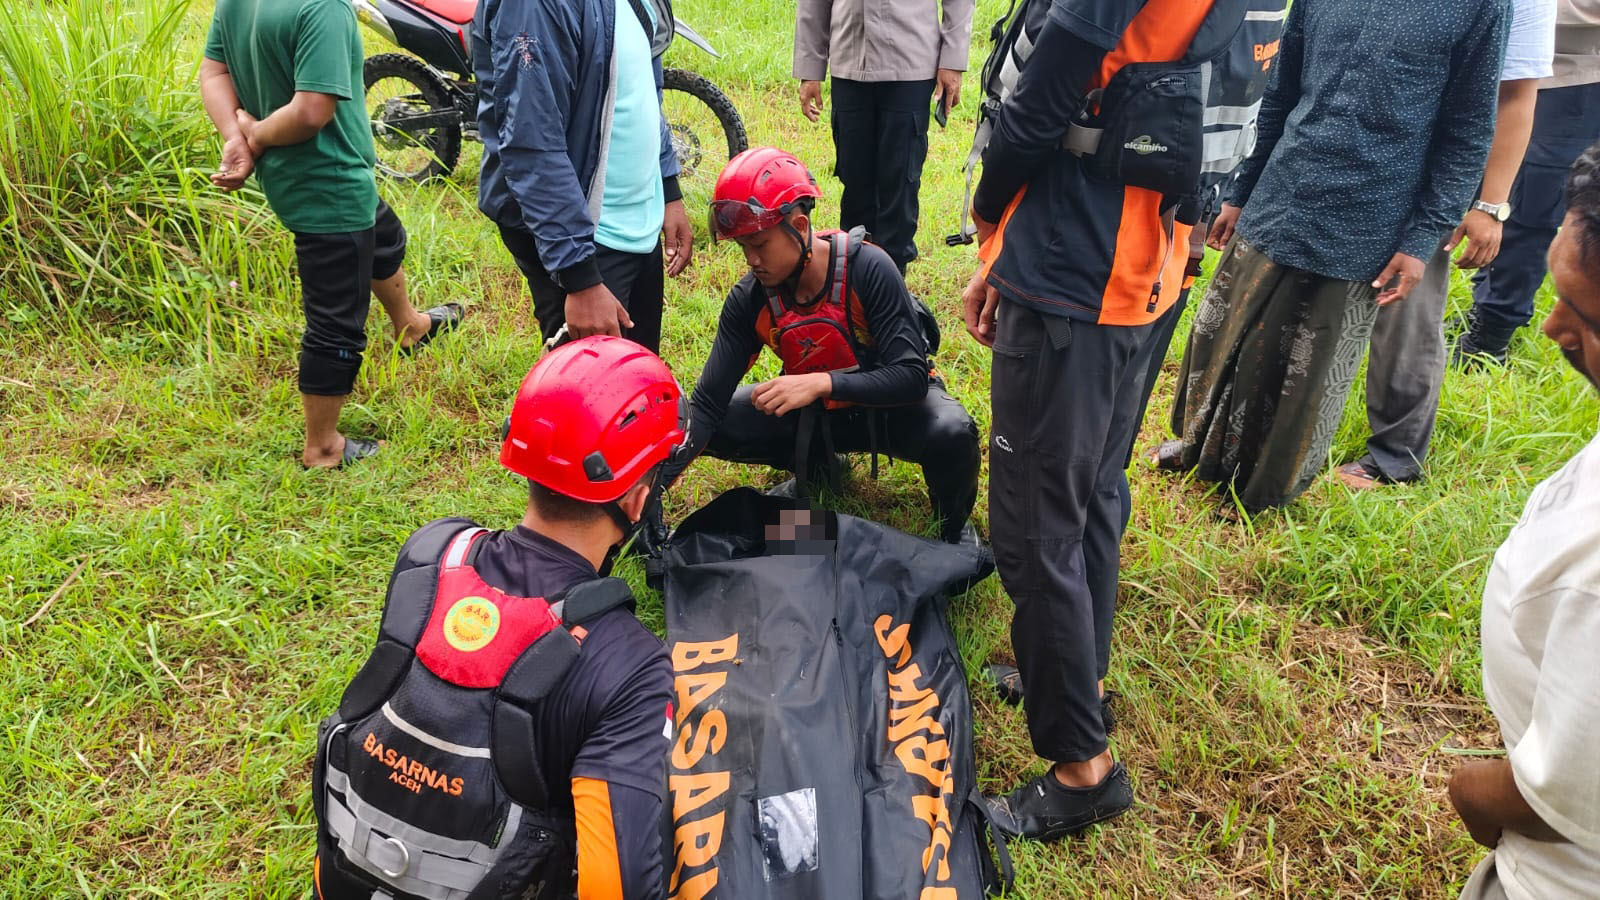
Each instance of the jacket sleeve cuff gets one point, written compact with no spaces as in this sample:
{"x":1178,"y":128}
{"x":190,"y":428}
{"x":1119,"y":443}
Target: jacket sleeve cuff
{"x":670,"y":189}
{"x":810,"y":69}
{"x":1421,"y":243}
{"x":579,"y":275}
{"x":953,"y":57}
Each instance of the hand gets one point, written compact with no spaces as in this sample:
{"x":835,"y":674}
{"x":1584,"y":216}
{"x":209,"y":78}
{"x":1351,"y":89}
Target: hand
{"x":811,"y":99}
{"x":677,"y":238}
{"x":947,"y":87}
{"x":595,"y":310}
{"x":985,"y":227}
{"x":978,"y":304}
{"x":237,"y":164}
{"x":1405,"y":271}
{"x":1482,"y":232}
{"x":247,"y":130}
{"x":1464,"y":797}
{"x":787,"y":393}
{"x":1222,"y":227}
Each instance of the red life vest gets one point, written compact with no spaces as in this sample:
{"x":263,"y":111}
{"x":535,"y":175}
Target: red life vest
{"x":823,"y":337}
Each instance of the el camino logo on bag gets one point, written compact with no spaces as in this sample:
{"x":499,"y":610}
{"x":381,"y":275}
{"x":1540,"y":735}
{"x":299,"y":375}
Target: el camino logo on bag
{"x":695,"y":844}
{"x":920,"y":745}
{"x":1144,"y":146}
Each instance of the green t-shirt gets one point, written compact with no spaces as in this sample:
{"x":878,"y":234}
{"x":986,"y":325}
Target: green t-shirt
{"x":273,"y":48}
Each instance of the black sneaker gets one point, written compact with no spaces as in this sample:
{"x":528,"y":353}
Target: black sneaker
{"x":1007,"y":681}
{"x":1044,"y":809}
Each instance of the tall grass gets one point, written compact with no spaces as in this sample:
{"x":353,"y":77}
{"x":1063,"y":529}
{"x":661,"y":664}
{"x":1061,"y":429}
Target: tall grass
{"x":105,"y":211}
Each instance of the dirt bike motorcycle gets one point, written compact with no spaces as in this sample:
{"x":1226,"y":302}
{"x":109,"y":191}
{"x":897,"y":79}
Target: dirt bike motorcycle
{"x":424,"y":101}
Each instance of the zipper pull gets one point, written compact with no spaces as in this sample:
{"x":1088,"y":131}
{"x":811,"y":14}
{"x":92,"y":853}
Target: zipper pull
{"x":1155,"y":298}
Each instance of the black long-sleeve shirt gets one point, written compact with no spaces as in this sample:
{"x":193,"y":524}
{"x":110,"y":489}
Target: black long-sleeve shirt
{"x":895,"y":372}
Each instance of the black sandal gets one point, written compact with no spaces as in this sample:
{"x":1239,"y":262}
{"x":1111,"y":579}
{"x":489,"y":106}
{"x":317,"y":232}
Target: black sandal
{"x":442,"y":319}
{"x":1168,"y":457}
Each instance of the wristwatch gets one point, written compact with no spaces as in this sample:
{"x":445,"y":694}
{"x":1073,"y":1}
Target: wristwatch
{"x":1500,"y":211}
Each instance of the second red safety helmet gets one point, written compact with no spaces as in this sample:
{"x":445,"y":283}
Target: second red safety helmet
{"x":757,"y":189}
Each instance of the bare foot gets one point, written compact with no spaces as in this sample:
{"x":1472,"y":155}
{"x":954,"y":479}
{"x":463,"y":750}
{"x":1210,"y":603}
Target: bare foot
{"x":414,"y":330}
{"x":324,"y":456}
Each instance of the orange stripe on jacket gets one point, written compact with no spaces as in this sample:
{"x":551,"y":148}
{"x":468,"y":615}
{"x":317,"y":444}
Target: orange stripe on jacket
{"x":599,"y":867}
{"x":1161,"y":32}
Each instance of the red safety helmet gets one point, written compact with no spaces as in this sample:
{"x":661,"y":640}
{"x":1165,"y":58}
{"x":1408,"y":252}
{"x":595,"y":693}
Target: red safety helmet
{"x":757,"y":189}
{"x":592,"y":417}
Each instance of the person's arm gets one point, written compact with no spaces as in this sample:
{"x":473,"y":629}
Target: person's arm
{"x":677,"y":235}
{"x":1486,"y":797}
{"x":619,"y":839}
{"x":222,"y":107}
{"x":619,"y":776}
{"x":1546,"y":789}
{"x":901,"y":375}
{"x":1513,"y":126}
{"x":733,"y":352}
{"x":1283,"y":94}
{"x":1461,"y":137}
{"x":534,"y":57}
{"x":1050,"y":93}
{"x":295,"y":122}
{"x":813,"y":21}
{"x":955,"y":34}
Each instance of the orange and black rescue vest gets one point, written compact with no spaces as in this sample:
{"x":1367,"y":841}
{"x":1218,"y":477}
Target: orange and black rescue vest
{"x":828,"y":336}
{"x":425,"y":782}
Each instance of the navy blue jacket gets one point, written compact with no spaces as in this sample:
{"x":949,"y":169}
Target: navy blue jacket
{"x":546,"y":90}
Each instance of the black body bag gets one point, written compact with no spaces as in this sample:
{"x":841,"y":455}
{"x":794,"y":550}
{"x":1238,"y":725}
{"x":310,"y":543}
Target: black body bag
{"x":824,"y":731}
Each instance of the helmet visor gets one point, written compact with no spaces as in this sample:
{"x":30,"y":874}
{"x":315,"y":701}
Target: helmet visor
{"x":740,"y":218}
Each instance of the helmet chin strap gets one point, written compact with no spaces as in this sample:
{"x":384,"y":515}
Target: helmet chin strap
{"x":789,"y":288}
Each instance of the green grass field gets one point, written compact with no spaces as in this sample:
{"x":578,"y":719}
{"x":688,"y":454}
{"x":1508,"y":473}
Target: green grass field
{"x":181,"y":602}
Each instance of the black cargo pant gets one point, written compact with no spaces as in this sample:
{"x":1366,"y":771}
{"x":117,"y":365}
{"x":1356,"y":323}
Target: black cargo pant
{"x":1066,"y":398}
{"x":937,"y":433}
{"x":635,"y":279}
{"x":880,"y":139}
{"x":336,"y":275}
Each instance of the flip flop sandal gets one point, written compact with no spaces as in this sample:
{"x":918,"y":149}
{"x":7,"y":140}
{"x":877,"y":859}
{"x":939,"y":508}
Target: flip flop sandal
{"x":442,"y":319}
{"x":1007,"y":681}
{"x":1168,"y":457}
{"x":355,"y":450}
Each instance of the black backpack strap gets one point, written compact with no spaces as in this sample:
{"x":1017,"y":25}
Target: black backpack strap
{"x":589,"y":600}
{"x":512,"y":731}
{"x":406,"y":609}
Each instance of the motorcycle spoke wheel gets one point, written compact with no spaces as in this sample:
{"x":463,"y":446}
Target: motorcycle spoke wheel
{"x":706,"y":132}
{"x":415,"y":129}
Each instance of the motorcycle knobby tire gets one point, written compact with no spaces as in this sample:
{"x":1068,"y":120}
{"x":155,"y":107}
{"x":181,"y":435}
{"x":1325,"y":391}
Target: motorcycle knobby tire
{"x":446,"y":142}
{"x":703,"y":90}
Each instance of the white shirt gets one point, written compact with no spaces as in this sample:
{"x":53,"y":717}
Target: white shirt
{"x":1531,"y":47}
{"x":1541,"y":676}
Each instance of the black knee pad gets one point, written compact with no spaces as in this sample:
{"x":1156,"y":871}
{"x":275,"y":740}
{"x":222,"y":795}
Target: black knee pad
{"x":328,"y":374}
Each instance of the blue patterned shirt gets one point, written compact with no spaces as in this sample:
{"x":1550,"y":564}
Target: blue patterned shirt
{"x":1374,"y":132}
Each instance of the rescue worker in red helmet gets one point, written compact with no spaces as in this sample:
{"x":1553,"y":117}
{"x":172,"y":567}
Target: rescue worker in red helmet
{"x":836,"y":311}
{"x":511,"y":728}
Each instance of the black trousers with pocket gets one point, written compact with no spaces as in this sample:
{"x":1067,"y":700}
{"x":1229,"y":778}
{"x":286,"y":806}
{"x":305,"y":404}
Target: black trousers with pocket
{"x":936,"y":433}
{"x":880,"y":140}
{"x":635,"y":279}
{"x":1066,"y":399}
{"x":336,"y":275}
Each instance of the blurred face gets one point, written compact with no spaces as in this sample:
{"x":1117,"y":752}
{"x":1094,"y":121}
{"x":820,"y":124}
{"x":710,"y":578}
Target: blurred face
{"x":1574,"y":323}
{"x":773,"y":254}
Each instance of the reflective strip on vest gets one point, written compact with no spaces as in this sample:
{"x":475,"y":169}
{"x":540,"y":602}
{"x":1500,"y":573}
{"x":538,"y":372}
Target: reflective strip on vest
{"x":435,"y":742}
{"x":404,"y":856}
{"x":456,"y":554}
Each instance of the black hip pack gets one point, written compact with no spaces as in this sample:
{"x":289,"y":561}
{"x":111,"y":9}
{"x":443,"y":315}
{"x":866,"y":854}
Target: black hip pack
{"x":1149,"y":128}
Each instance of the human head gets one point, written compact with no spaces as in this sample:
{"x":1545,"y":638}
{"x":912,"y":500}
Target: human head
{"x":763,"y":200}
{"x":590,"y":426}
{"x":1574,"y":322}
